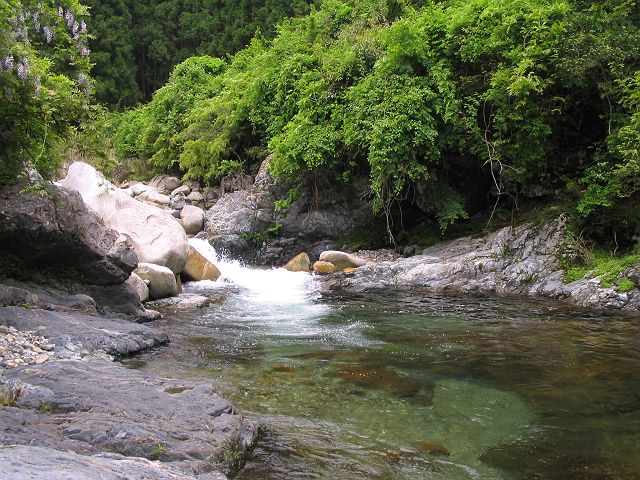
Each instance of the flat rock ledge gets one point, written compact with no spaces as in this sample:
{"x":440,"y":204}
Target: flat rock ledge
{"x":521,"y":260}
{"x":78,"y":414}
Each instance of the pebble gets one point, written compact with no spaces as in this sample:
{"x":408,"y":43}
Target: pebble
{"x":23,"y":348}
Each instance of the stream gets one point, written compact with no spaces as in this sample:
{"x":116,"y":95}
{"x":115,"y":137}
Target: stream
{"x":412,"y":385}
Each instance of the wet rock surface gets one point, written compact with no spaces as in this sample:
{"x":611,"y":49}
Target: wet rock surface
{"x":93,"y":333}
{"x":95,"y":405}
{"x":521,"y":260}
{"x":32,"y":463}
{"x":79,"y":399}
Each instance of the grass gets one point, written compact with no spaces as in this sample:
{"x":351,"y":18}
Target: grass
{"x":8,"y":397}
{"x":607,"y":266}
{"x":157,"y":451}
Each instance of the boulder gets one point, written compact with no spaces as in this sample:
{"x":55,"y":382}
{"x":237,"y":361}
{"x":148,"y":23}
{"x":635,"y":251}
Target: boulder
{"x":139,"y":286}
{"x":322,"y":210}
{"x":195,"y":197}
{"x":192,"y":219}
{"x":235,"y":182}
{"x":53,"y":230}
{"x":184,"y":190}
{"x":299,"y":263}
{"x":155,"y":197}
{"x":161,"y":280}
{"x":198,"y":267}
{"x":324,"y":267}
{"x":139,"y":188}
{"x":178,"y":201}
{"x":165,"y":183}
{"x":342,"y":260}
{"x":155,"y":234}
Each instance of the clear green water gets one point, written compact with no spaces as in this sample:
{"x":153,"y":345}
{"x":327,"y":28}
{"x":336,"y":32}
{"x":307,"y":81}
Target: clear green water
{"x":418,"y":386}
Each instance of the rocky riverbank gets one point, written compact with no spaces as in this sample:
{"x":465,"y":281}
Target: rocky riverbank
{"x":68,"y":311}
{"x":523,"y":260}
{"x":78,"y":404}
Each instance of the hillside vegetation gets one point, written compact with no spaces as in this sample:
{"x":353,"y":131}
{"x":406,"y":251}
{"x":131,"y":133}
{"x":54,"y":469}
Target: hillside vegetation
{"x":452,"y":104}
{"x":448,"y":108}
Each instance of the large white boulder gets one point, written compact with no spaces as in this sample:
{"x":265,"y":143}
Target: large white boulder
{"x":161,"y":281}
{"x":156,"y":236}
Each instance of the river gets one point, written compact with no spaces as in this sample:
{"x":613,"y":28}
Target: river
{"x":412,"y":385}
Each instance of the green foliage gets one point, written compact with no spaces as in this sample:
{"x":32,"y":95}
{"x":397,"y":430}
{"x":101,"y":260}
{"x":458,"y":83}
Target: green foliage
{"x":607,"y":266}
{"x":261,"y":237}
{"x":157,"y":451}
{"x":136,"y":43}
{"x":44,"y":85}
{"x":283,"y":204}
{"x":441,"y":102}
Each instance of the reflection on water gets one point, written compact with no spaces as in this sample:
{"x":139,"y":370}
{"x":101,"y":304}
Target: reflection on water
{"x":413,"y":385}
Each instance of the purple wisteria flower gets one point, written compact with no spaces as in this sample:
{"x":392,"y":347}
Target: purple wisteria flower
{"x":84,"y":51}
{"x":47,"y":34}
{"x":83,"y":27}
{"x":60,"y":12}
{"x":22,"y":71}
{"x":68,"y":16}
{"x":36,"y":22}
{"x":8,"y":62}
{"x":36,"y":85}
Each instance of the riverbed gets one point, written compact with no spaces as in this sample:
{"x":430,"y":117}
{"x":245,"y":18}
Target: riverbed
{"x":412,"y":385}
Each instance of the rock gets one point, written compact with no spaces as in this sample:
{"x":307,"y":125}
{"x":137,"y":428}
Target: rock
{"x":195,"y":197}
{"x":155,"y":235}
{"x":322,"y":211}
{"x":55,"y":230}
{"x":324,"y":267}
{"x":178,"y":202}
{"x":235,"y":182}
{"x":192,"y":219}
{"x":109,"y":335}
{"x":155,"y":197}
{"x":162,"y":281}
{"x":165,"y":183}
{"x":184,"y":301}
{"x":139,"y":188}
{"x":34,"y":463}
{"x":342,"y":260}
{"x":198,"y":267}
{"x":193,"y":184}
{"x":299,"y":263}
{"x":517,"y":260}
{"x":96,"y":405}
{"x":183,"y":190}
{"x":139,"y":286}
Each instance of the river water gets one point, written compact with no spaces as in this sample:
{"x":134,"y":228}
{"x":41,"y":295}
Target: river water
{"x":413,"y":385}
